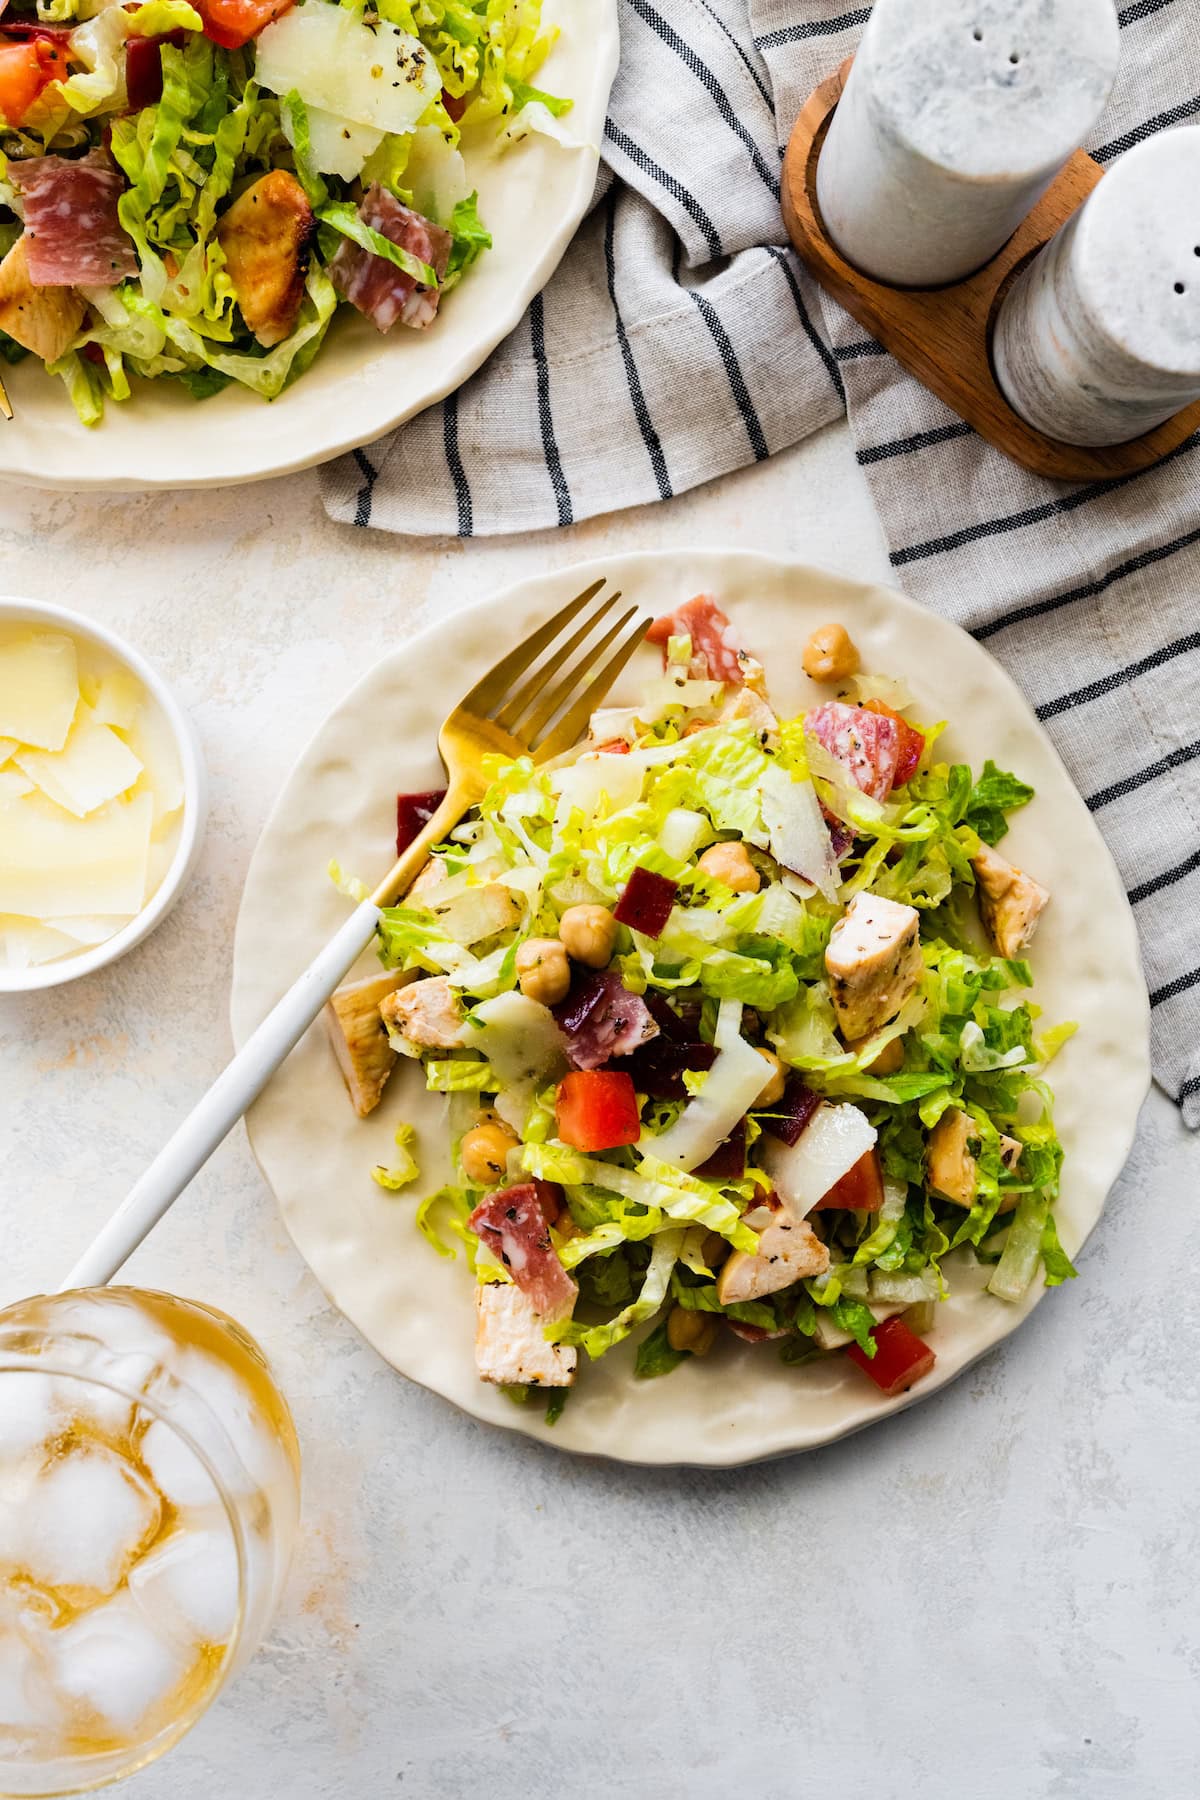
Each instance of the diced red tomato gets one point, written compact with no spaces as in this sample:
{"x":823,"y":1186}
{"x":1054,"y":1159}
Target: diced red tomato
{"x":26,"y":70}
{"x":646,"y":904}
{"x":860,"y":1189}
{"x":413,"y":813}
{"x":232,"y":23}
{"x":900,"y":1358}
{"x":911,"y":747}
{"x":597,"y":1110}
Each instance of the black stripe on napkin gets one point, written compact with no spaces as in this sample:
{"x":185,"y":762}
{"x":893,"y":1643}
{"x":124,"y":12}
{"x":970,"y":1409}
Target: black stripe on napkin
{"x":737,"y":381}
{"x":1191,"y":1086}
{"x":1119,"y":677}
{"x":753,"y":73}
{"x":554,"y":468}
{"x":648,"y":166}
{"x":458,"y":475}
{"x":1034,"y":515}
{"x":1174,"y":759}
{"x":1173,"y":989}
{"x":813,"y":28}
{"x":641,"y":411}
{"x":1168,"y":878}
{"x":814,"y":337}
{"x":851,"y":352}
{"x":370,"y":475}
{"x":1187,"y":109}
{"x":1088,"y":590}
{"x":920,"y":440}
{"x":708,"y":80}
{"x":1141,"y":9}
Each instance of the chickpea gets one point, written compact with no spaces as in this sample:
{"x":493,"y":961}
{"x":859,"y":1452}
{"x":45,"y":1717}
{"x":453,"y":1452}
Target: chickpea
{"x":694,"y":1331}
{"x":484,"y":1153}
{"x":543,"y":972}
{"x":589,"y":934}
{"x":831,"y":654}
{"x":731,"y":864}
{"x":772,"y":1088}
{"x":714,"y":1249}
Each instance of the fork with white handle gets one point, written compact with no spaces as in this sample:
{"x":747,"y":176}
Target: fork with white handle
{"x":542,"y":715}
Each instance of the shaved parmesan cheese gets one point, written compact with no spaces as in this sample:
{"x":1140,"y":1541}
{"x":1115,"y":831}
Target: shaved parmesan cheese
{"x":369,"y":74}
{"x":7,"y":746}
{"x":89,"y":930}
{"x":39,"y":686}
{"x":828,"y":1148}
{"x":52,"y":864}
{"x":338,"y":146}
{"x":93,"y":767}
{"x":730,"y":1089}
{"x":114,"y":694}
{"x":13,"y":784}
{"x":797,"y":834}
{"x":24,"y":943}
{"x":152,"y":743}
{"x":435,"y":175}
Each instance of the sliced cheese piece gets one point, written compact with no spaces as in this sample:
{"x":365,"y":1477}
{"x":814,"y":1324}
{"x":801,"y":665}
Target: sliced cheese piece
{"x":158,"y":861}
{"x":92,"y":768}
{"x":88,"y":929}
{"x":7,"y":746}
{"x":114,"y":694}
{"x":53,"y":864}
{"x":372,"y":74}
{"x":24,"y":943}
{"x":150,"y":739}
{"x":39,"y":686}
{"x":13,"y":784}
{"x":338,"y":146}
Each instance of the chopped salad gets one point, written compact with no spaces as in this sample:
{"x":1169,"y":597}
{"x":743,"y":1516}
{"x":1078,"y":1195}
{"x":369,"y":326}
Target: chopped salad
{"x":191,"y":191}
{"x":732,"y":1015}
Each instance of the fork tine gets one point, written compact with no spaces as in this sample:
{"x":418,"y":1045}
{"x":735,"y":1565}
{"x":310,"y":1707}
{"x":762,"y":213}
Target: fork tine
{"x":551,"y":696}
{"x":5,"y":402}
{"x":572,"y":725}
{"x":529,"y":690}
{"x":495,"y":684}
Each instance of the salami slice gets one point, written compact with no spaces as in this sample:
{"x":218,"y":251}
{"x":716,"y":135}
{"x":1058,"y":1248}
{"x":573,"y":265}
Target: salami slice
{"x":73,"y":237}
{"x":380,"y":291}
{"x":867,"y":744}
{"x":513,"y":1226}
{"x":716,"y":653}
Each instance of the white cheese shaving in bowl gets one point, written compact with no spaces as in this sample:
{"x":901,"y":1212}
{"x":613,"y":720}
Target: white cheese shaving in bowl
{"x":91,"y":796}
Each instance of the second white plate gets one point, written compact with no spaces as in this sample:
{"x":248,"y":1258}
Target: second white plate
{"x":739,"y":1403}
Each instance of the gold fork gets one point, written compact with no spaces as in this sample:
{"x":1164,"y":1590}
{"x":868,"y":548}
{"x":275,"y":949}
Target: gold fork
{"x":540,"y":716}
{"x":5,"y":402}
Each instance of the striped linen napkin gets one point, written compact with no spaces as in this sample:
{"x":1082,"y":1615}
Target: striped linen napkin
{"x":679,"y":306}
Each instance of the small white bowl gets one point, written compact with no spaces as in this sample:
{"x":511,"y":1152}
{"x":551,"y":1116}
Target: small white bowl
{"x":195,"y":801}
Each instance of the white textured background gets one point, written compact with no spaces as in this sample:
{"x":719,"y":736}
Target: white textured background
{"x":992,"y":1597}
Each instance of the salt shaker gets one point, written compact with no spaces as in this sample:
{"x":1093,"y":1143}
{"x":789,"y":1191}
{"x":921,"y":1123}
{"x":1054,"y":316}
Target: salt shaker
{"x":956,"y":116}
{"x":1098,"y":340}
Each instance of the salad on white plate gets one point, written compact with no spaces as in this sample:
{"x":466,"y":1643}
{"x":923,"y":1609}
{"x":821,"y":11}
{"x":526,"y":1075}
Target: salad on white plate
{"x":732,"y":1015}
{"x":190,"y":192}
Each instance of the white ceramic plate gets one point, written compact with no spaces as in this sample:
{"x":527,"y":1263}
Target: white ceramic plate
{"x":739,"y":1403}
{"x":532,"y":198}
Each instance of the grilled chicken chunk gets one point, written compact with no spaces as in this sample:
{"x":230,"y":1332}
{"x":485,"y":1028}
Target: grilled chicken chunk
{"x":949,"y":1164}
{"x":425,"y":1015}
{"x":45,"y":320}
{"x":365,"y":1054}
{"x":788,"y":1250}
{"x":265,"y":236}
{"x":873,"y":962}
{"x":1010,"y":902}
{"x":510,"y":1347}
